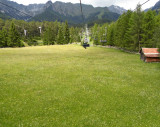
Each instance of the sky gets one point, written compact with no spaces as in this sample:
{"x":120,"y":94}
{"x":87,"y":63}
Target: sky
{"x":127,"y":4}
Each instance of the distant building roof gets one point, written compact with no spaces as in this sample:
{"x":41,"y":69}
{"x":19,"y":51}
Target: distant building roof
{"x":150,"y":52}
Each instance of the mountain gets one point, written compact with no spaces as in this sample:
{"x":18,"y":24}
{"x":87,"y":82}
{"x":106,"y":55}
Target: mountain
{"x":48,"y":15}
{"x":117,"y":9}
{"x":147,"y":9}
{"x":34,"y":9}
{"x":4,"y":16}
{"x":31,"y":10}
{"x":60,"y":11}
{"x":10,"y":12}
{"x":156,"y":6}
{"x":67,"y":11}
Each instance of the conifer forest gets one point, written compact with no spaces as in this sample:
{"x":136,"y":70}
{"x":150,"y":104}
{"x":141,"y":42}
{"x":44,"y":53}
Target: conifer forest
{"x":18,"y":33}
{"x":132,"y":31}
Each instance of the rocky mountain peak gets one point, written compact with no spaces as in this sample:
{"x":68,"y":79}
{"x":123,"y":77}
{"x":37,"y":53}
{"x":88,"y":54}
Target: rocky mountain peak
{"x":49,"y":4}
{"x":117,"y":9}
{"x":156,"y":6}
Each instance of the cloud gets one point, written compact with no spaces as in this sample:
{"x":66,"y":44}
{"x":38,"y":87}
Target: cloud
{"x":127,"y":4}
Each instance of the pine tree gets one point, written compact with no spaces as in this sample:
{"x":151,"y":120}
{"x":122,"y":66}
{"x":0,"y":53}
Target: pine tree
{"x":125,"y":26}
{"x":3,"y":38}
{"x":2,"y":23}
{"x":137,"y":27}
{"x":156,"y":38}
{"x":128,"y":37}
{"x":49,"y":37}
{"x":133,"y":34}
{"x":60,"y":36}
{"x":101,"y":36}
{"x":66,"y":34}
{"x":96,"y":39}
{"x":110,"y":34}
{"x":13,"y":37}
{"x":72,"y":33}
{"x":148,"y":29}
{"x":56,"y":27}
{"x":120,"y":31}
{"x":96,"y":36}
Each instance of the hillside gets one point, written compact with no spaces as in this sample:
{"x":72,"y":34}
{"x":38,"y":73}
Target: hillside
{"x":4,"y":16}
{"x":70,"y":86}
{"x":48,"y":15}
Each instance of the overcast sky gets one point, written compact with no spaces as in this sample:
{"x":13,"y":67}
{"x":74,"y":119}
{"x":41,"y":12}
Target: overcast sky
{"x":127,"y":4}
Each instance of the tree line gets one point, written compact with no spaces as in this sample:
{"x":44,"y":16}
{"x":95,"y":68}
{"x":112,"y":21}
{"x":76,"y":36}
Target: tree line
{"x":18,"y":33}
{"x":132,"y":31}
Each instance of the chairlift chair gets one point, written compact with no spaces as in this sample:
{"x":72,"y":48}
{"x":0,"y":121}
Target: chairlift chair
{"x":85,"y":45}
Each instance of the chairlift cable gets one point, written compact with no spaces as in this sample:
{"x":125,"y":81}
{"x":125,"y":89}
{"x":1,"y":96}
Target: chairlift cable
{"x":85,"y":45}
{"x":136,"y":7}
{"x":81,"y":10}
{"x":142,"y":4}
{"x":145,"y":2}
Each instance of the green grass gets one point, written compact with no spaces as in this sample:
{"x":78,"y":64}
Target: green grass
{"x":68,"y":86}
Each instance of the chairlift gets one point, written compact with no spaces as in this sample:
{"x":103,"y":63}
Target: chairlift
{"x":85,"y":45}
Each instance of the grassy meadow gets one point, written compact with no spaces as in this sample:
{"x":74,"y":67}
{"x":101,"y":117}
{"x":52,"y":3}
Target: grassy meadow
{"x":68,"y":86}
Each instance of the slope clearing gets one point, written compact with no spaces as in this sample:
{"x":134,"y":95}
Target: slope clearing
{"x":68,"y":86}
